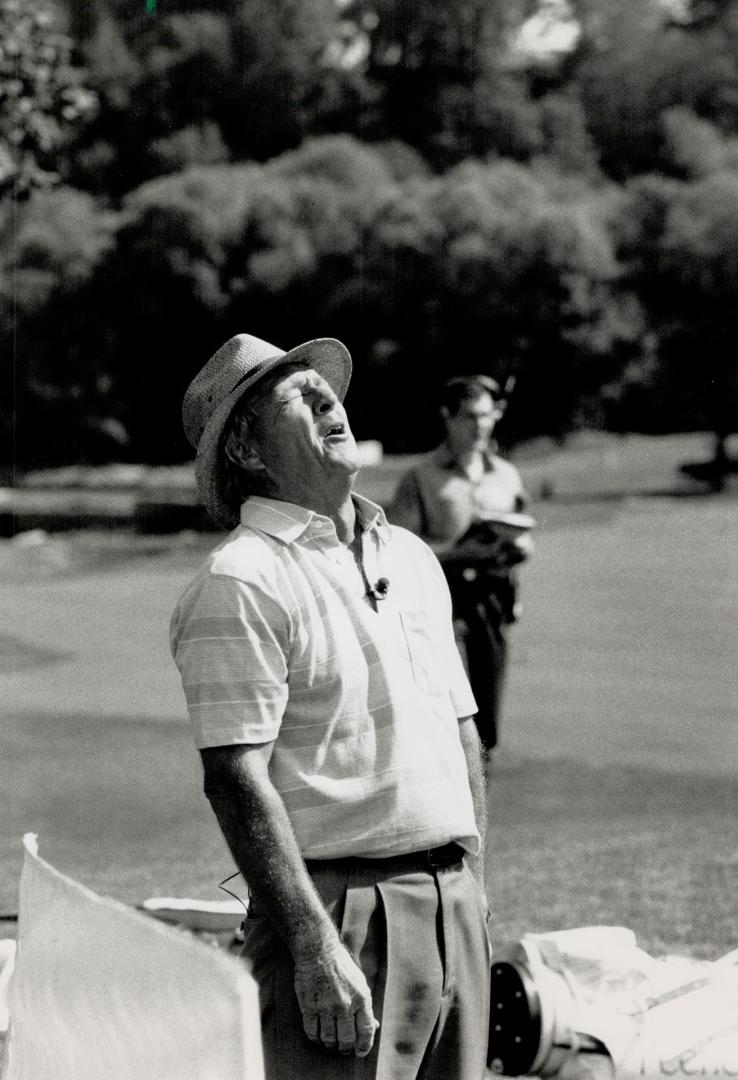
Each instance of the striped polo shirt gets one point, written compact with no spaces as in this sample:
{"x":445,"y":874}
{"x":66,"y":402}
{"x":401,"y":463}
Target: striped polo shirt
{"x":277,"y":640}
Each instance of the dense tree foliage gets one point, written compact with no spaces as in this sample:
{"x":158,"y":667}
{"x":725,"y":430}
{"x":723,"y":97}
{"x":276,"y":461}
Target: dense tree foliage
{"x":41,"y":94}
{"x":680,"y":240}
{"x":416,"y":179}
{"x":634,"y":61}
{"x":58,"y":404}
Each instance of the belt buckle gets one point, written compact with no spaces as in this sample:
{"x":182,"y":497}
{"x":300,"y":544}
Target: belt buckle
{"x":440,"y":857}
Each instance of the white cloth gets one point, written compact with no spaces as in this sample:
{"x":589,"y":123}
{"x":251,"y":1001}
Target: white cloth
{"x":102,"y":992}
{"x":656,"y":1017}
{"x":276,"y":639}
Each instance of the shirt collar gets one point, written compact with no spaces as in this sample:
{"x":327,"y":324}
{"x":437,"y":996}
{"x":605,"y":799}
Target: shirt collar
{"x":288,"y":521}
{"x":371,"y":516}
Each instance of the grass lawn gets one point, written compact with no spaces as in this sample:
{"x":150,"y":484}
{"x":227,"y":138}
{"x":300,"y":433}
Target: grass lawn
{"x":117,"y":804}
{"x":614,"y":792}
{"x":572,"y":845}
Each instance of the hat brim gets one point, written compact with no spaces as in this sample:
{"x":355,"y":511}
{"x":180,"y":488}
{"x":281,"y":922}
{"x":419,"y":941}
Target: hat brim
{"x":329,"y":357}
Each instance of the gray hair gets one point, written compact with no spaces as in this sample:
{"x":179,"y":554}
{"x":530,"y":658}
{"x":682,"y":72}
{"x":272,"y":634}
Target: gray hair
{"x":242,"y":475}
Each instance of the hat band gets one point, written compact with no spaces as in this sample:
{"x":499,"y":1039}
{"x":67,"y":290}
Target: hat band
{"x":249,"y":375}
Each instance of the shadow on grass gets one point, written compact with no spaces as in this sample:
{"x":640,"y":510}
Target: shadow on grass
{"x":117,"y":803}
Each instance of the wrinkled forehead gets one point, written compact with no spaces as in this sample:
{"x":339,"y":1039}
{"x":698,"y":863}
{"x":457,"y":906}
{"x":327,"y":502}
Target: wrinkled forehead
{"x":297,"y":373}
{"x":297,"y":379}
{"x":284,"y":375}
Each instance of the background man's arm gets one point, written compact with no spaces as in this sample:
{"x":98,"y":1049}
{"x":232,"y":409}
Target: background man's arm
{"x":333,"y":994}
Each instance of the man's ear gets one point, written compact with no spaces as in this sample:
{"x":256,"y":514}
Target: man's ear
{"x":246,"y":456}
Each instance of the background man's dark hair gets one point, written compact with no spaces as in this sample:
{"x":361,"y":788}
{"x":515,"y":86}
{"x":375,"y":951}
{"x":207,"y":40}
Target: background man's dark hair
{"x":467,"y":388}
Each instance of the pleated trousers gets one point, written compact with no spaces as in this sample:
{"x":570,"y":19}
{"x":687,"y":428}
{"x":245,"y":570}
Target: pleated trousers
{"x":420,"y":937}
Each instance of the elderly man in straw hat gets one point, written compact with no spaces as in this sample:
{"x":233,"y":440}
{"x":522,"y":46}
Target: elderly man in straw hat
{"x":333,"y":718}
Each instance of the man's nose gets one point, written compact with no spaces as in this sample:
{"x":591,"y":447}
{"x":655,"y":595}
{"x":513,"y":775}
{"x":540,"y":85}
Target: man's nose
{"x":324,"y":400}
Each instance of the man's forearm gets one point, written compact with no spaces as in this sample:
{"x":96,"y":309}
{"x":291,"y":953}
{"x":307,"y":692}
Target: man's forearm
{"x":256,"y":827}
{"x":474,"y":765}
{"x":332,"y":991}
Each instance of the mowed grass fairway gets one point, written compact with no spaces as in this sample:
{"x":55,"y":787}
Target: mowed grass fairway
{"x":614,"y":796}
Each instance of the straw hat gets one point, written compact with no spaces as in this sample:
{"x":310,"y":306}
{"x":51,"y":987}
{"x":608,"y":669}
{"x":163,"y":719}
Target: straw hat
{"x":212,"y":395}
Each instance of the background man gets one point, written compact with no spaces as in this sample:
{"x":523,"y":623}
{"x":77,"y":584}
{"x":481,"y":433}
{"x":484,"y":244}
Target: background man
{"x":450,"y":499}
{"x":333,"y":718}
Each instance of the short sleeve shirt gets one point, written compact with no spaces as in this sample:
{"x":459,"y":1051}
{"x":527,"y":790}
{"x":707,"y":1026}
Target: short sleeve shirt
{"x":437,"y":500}
{"x":276,"y":639}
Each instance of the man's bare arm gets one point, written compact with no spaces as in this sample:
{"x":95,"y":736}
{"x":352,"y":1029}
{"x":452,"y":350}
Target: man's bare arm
{"x":474,"y":766}
{"x":333,"y":994}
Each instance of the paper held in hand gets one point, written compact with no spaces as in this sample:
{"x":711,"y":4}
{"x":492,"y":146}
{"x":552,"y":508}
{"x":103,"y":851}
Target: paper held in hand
{"x":499,"y":525}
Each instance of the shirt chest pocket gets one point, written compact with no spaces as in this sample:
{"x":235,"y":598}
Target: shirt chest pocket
{"x":425,"y":663}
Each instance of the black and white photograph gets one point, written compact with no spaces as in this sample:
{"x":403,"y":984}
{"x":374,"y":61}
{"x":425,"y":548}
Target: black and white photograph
{"x":368,"y":539}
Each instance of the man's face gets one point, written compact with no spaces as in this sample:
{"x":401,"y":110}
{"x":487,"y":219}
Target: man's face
{"x":471,"y":427}
{"x":302,"y":436}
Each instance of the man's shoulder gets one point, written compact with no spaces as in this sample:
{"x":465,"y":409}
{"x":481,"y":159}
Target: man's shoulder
{"x":243,"y":559}
{"x":410,"y":544}
{"x":245,"y":554}
{"x":242,"y":566}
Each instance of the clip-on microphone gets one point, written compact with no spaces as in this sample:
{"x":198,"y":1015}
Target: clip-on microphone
{"x":380,"y":589}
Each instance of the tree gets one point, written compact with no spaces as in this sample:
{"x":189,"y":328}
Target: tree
{"x":694,"y":147}
{"x":496,"y":266}
{"x":42,"y":94}
{"x":509,"y":270}
{"x":441,"y":78}
{"x":215,"y":81}
{"x":679,"y":241}
{"x":282,"y":52}
{"x":699,"y":259}
{"x":162,"y":295}
{"x":273,"y":248}
{"x":633,"y":62}
{"x":50,"y":247}
{"x":161,"y":84}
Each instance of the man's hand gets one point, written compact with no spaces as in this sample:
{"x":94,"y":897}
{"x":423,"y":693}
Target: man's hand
{"x":333,"y":994}
{"x":335,"y":1001}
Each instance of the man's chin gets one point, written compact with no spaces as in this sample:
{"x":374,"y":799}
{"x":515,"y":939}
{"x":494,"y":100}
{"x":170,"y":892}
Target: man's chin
{"x":343,"y":457}
{"x":349,"y":465}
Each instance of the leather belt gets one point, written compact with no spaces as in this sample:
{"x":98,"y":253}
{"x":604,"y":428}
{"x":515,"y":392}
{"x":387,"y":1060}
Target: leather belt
{"x":430,"y":858}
